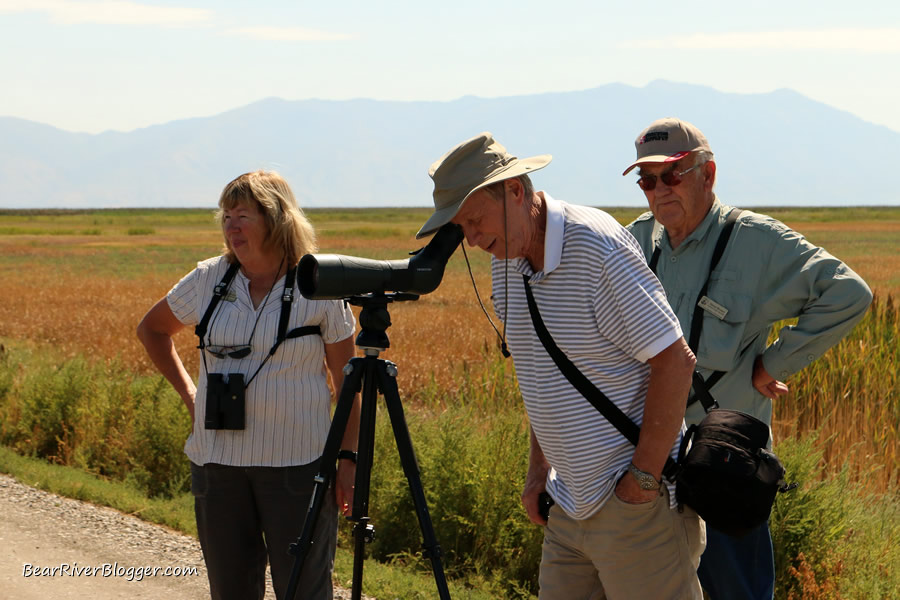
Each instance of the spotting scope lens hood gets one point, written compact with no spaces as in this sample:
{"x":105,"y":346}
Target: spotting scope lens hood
{"x":334,"y":276}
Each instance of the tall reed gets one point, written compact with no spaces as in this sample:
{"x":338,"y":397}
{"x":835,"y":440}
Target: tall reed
{"x":851,"y":398}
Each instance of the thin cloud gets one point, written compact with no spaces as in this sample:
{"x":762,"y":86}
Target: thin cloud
{"x":108,"y":12}
{"x":877,"y":41}
{"x":286,"y":34}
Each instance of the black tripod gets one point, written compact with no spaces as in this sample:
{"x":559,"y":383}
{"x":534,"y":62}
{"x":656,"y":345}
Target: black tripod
{"x":372,"y":375}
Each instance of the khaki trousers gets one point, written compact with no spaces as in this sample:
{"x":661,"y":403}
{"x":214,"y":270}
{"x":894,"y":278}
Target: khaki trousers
{"x":625,"y":551}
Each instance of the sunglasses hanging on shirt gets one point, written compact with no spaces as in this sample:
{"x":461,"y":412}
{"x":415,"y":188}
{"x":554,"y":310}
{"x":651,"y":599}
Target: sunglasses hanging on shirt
{"x":243,"y":350}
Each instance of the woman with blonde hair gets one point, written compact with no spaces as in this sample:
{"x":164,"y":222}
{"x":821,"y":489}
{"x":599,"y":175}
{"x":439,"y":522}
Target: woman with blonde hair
{"x":261,"y":408}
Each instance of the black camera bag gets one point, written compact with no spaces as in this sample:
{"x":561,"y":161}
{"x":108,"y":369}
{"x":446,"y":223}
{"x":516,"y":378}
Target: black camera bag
{"x":724,"y":471}
{"x":728,"y":476}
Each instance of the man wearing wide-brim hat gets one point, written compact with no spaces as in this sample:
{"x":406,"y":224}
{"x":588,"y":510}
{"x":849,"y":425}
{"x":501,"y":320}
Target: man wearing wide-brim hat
{"x":766,"y":274}
{"x":614,"y":530}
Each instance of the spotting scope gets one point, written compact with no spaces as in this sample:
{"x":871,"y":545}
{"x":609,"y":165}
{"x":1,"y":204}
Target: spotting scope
{"x":333,"y":276}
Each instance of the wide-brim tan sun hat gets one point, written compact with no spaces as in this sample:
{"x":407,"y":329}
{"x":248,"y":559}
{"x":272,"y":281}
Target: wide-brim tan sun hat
{"x":667,"y":140}
{"x":469,"y":167}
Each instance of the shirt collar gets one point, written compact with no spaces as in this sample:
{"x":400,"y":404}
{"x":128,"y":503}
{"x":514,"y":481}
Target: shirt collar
{"x":699,"y":232}
{"x":553,"y":236}
{"x":553,"y":240}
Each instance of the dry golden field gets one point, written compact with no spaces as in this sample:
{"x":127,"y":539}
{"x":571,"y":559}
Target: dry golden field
{"x":77,"y":283}
{"x":81,"y":282}
{"x":84,"y":294}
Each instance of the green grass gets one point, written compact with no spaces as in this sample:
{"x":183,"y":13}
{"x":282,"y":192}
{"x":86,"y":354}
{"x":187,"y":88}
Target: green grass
{"x":119,"y":219}
{"x":831,"y":541}
{"x":176,"y":512}
{"x":405,"y":220}
{"x":828,"y":214}
{"x":398,"y":579}
{"x":125,"y":433}
{"x":350,"y":231}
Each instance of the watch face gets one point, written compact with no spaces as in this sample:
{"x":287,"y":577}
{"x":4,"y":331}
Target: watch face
{"x":650,"y":484}
{"x":644,"y":479}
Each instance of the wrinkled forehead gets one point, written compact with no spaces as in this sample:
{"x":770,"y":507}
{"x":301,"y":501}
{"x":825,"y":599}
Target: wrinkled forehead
{"x":475,"y":207}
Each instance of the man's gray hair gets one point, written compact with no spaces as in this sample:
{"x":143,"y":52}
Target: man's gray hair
{"x":496,"y":189}
{"x":703,"y":157}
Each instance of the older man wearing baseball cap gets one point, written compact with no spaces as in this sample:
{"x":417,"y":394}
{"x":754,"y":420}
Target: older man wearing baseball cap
{"x":766,"y":273}
{"x":613,"y":529}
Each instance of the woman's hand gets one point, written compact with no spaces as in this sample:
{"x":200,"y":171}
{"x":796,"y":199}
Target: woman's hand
{"x":343,"y":487}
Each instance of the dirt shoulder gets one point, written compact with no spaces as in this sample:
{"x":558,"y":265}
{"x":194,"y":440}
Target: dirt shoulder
{"x":54,"y":547}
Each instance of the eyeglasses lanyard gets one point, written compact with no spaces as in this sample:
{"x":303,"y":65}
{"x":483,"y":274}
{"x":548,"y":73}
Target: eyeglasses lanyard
{"x":216,"y":299}
{"x":287,"y":299}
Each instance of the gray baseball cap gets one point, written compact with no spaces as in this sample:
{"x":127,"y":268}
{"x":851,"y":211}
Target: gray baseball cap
{"x":667,"y":140}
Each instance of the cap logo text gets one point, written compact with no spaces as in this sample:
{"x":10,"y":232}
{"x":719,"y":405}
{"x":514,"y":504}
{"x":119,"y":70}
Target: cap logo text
{"x":655,"y":136}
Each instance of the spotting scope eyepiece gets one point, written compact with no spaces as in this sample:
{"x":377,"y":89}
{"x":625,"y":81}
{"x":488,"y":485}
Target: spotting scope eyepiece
{"x":333,"y":276}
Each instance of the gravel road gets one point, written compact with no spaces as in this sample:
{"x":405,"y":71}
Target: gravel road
{"x":55,"y":547}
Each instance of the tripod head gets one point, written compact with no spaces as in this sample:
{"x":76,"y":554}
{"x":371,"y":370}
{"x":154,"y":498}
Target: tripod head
{"x":375,"y":319}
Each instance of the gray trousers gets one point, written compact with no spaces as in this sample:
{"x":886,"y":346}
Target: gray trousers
{"x":247,"y":516}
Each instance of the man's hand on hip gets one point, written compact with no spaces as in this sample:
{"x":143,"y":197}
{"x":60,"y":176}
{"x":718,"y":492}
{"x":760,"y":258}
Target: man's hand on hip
{"x":764,"y":383}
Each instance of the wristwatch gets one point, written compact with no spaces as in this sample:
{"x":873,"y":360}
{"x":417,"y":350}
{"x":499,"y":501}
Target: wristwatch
{"x":644,"y":479}
{"x":348,"y":455}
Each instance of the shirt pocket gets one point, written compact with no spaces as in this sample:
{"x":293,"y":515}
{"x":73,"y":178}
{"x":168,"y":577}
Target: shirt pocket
{"x":676,"y":299}
{"x":721,"y":339}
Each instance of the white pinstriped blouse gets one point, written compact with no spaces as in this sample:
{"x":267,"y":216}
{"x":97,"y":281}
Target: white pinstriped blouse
{"x":288,"y":404}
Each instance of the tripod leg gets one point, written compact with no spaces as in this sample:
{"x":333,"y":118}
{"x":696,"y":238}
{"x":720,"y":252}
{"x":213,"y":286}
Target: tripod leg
{"x":387,"y":373}
{"x":363,"y":532}
{"x":352,"y":378}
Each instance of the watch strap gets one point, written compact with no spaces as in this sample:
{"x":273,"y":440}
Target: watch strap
{"x":348,"y":455}
{"x":646,"y":480}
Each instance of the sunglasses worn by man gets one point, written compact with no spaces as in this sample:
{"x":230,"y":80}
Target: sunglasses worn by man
{"x":670,"y":178}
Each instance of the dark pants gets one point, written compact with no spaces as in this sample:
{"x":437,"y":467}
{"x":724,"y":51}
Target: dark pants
{"x":738,"y":568}
{"x":246,"y":515}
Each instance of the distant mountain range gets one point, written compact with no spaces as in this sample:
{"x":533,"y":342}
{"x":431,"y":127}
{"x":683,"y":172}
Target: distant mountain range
{"x":779,"y":148}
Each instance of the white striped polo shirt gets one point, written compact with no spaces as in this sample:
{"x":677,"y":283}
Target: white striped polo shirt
{"x":607,"y":311}
{"x":288,"y":404}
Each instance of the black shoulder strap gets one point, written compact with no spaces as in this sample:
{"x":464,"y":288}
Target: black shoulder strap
{"x":218,"y":294}
{"x":287,"y":298}
{"x":701,"y":387}
{"x":654,"y":260}
{"x":724,"y":235}
{"x":584,"y":386}
{"x":718,"y":251}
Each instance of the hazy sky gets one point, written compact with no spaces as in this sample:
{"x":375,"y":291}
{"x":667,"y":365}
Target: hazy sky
{"x":95,"y":65}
